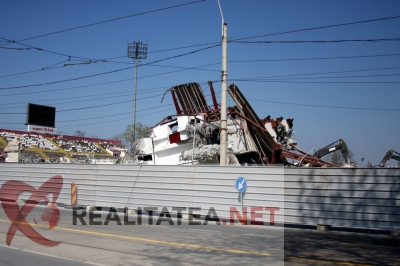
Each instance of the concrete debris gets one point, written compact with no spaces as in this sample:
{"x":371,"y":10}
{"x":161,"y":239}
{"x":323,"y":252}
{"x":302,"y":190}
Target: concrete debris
{"x":202,"y":154}
{"x":233,"y":160}
{"x":283,"y":136}
{"x":205,"y":132}
{"x":14,"y":145}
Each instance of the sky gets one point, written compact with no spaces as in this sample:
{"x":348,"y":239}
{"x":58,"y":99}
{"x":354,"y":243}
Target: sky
{"x":344,"y":88}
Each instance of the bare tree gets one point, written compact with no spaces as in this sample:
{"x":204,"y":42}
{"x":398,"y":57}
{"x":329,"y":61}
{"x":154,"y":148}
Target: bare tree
{"x":119,"y":137}
{"x":337,"y":158}
{"x":129,"y":138}
{"x":79,"y":133}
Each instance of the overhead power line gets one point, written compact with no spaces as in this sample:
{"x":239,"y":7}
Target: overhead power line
{"x":320,"y":41}
{"x":322,"y":73}
{"x":236,"y":39}
{"x":318,"y":82}
{"x":311,"y":58}
{"x":38,"y":49}
{"x":103,"y":122}
{"x":48,"y":101}
{"x":90,"y":60}
{"x":75,"y":109}
{"x":65,"y":80}
{"x":126,"y":113}
{"x":31,"y":71}
{"x":65,"y":89}
{"x":330,"y":106}
{"x":238,"y":79}
{"x":89,"y":107}
{"x":110,"y":20}
{"x":345,"y":77}
{"x":98,"y":117}
{"x":230,"y":61}
{"x":320,"y":27}
{"x":95,"y":106}
{"x":109,"y":72}
{"x":96,"y":94}
{"x":146,"y":91}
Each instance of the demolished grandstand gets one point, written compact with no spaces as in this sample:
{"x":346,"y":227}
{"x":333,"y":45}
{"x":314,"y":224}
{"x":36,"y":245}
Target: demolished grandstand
{"x":192,"y":135}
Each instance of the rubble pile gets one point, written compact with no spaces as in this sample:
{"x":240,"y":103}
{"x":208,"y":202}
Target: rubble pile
{"x":202,"y":154}
{"x":205,"y":132}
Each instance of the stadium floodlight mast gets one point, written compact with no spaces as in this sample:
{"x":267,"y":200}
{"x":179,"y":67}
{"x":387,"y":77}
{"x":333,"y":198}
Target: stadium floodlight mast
{"x":136,"y":51}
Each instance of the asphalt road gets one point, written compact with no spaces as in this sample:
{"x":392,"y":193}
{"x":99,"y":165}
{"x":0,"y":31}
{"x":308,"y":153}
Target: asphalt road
{"x":186,"y":244}
{"x":312,"y":247}
{"x":12,"y":256}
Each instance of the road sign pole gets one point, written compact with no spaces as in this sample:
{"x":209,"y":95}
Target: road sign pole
{"x":241,"y":187}
{"x":241,"y":201}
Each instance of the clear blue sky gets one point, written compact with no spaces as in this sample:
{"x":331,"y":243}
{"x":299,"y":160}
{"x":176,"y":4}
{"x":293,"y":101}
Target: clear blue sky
{"x":368,"y":133}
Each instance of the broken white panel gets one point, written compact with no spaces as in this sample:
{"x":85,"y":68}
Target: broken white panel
{"x":271,"y":130}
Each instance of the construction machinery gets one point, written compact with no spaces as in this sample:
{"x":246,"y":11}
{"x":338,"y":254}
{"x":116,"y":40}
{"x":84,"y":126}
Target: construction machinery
{"x":337,"y":145}
{"x":389,"y":155}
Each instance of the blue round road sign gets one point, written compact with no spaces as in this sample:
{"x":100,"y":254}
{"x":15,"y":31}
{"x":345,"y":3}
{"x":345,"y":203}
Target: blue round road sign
{"x":241,"y":184}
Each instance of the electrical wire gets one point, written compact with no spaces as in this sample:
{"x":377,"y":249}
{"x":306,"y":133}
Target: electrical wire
{"x":106,"y":60}
{"x":110,"y":20}
{"x":85,"y":86}
{"x":311,"y":58}
{"x":73,"y":101}
{"x":259,"y":79}
{"x":30,"y":71}
{"x":341,"y":77}
{"x":319,"y":82}
{"x":235,"y":61}
{"x":344,"y":77}
{"x":184,"y":47}
{"x":65,"y":80}
{"x":236,"y":39}
{"x":319,"y":41}
{"x":329,"y":106}
{"x":322,"y":73}
{"x":109,"y":72}
{"x":319,"y":27}
{"x":91,"y":107}
{"x":70,"y":88}
{"x":98,"y":117}
{"x":76,"y":109}
{"x":102,"y":122}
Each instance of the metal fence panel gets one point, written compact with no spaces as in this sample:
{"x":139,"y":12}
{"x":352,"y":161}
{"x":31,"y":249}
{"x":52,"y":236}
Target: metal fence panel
{"x":350,"y":197}
{"x":367,"y":198}
{"x":132,"y":186}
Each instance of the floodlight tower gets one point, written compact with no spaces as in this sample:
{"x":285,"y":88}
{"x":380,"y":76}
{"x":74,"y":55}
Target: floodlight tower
{"x":136,"y":51}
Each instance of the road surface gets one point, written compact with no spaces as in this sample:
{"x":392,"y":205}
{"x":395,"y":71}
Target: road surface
{"x":185,"y":244}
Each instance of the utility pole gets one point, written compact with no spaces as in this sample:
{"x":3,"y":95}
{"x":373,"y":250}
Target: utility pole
{"x":136,"y":51}
{"x":224,"y":76}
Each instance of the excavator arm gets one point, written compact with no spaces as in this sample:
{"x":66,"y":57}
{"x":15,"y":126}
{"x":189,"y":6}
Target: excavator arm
{"x":337,"y":145}
{"x":390,"y":155}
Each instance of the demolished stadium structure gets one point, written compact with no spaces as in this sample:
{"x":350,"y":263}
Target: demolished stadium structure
{"x":192,"y":135}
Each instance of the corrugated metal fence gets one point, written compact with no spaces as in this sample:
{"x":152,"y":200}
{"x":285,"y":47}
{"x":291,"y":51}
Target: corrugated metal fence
{"x":368,"y":198}
{"x":351,"y":197}
{"x":132,"y":186}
